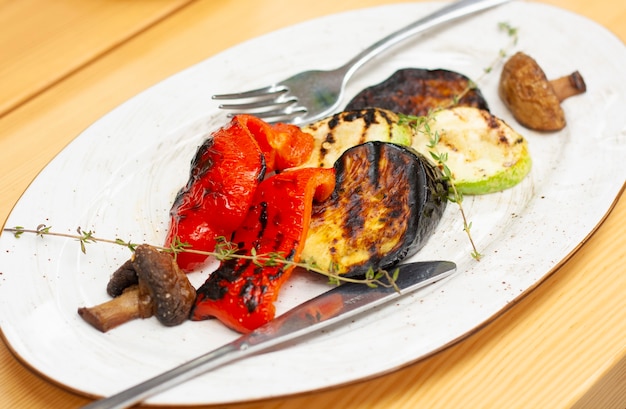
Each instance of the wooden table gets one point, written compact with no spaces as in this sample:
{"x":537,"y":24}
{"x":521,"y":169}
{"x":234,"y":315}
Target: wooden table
{"x":65,"y":64}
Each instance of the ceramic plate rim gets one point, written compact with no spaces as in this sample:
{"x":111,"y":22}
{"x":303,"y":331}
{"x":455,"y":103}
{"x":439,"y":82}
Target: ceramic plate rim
{"x":174,"y":120}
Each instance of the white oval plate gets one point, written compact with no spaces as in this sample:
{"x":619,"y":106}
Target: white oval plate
{"x":119,"y":178}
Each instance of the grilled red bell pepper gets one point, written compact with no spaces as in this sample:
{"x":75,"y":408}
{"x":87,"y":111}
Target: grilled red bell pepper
{"x":224,"y":175}
{"x":241,"y":293}
{"x":284,"y":145}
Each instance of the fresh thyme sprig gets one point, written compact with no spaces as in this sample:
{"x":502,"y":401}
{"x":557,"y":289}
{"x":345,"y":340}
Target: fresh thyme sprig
{"x":84,"y":237}
{"x":224,"y":250}
{"x":422,"y":124}
{"x":454,"y":196}
{"x":512,"y":32}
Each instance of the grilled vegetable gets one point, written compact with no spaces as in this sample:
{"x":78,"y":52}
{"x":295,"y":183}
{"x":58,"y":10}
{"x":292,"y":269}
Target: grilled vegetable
{"x":387,"y":201}
{"x":241,"y":293}
{"x":417,"y":91}
{"x":485,"y":155}
{"x":534,"y":101}
{"x":224,"y":175}
{"x":159,"y":288}
{"x":335,"y":134}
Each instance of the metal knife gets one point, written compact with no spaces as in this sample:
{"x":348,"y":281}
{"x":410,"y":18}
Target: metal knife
{"x":341,"y":302}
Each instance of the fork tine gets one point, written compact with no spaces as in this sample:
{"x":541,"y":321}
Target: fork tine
{"x":263,"y":103}
{"x":265,"y":92}
{"x":283,"y":114}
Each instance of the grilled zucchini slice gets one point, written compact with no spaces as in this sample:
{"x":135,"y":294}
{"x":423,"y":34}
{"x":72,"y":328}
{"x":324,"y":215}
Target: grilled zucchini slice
{"x":339,"y":132}
{"x":485,"y":155}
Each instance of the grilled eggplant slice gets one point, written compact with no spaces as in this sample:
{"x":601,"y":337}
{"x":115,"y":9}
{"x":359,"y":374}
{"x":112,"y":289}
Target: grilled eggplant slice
{"x":387,"y":201}
{"x":417,"y":91}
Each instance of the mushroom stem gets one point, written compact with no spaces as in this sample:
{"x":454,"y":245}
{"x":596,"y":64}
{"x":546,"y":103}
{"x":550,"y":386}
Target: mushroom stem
{"x":568,"y":86}
{"x":534,"y":101}
{"x":150,"y":284}
{"x":128,"y":306}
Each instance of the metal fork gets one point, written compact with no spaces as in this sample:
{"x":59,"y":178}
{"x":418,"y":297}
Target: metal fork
{"x":312,"y":95}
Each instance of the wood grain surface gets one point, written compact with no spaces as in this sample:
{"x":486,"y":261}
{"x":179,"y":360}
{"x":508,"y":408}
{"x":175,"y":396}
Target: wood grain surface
{"x":64,"y":64}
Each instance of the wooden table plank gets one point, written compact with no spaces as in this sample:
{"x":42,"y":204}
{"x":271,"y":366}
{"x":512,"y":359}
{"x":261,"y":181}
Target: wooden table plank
{"x":562,"y":345}
{"x":43,"y":42}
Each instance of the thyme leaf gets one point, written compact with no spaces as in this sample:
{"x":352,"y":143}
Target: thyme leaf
{"x":224,"y":250}
{"x":422,"y":124}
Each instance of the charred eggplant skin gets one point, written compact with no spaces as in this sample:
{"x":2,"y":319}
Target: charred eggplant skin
{"x":388,"y":199}
{"x":418,"y":91}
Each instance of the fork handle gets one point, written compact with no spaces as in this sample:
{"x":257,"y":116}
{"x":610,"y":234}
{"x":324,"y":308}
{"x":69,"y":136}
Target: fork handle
{"x":451,"y":12}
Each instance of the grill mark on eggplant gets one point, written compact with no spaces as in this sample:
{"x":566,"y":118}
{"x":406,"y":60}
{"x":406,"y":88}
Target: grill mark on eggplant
{"x":387,"y":201}
{"x":416,"y":91}
{"x":374,"y":157}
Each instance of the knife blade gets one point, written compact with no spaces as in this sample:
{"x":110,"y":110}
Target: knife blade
{"x":341,"y":302}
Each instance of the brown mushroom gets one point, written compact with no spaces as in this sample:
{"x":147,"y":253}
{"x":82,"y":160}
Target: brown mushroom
{"x":158,"y":288}
{"x":122,"y":278}
{"x":534,"y":101}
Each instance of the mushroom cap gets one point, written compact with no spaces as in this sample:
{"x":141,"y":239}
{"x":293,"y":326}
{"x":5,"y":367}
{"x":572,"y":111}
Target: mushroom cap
{"x":122,"y":278}
{"x":526,"y":91}
{"x":167,"y":285}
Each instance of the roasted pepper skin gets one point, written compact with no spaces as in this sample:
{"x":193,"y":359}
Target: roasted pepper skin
{"x":284,"y":145}
{"x":225,"y":172}
{"x":241,"y":293}
{"x":224,"y":175}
